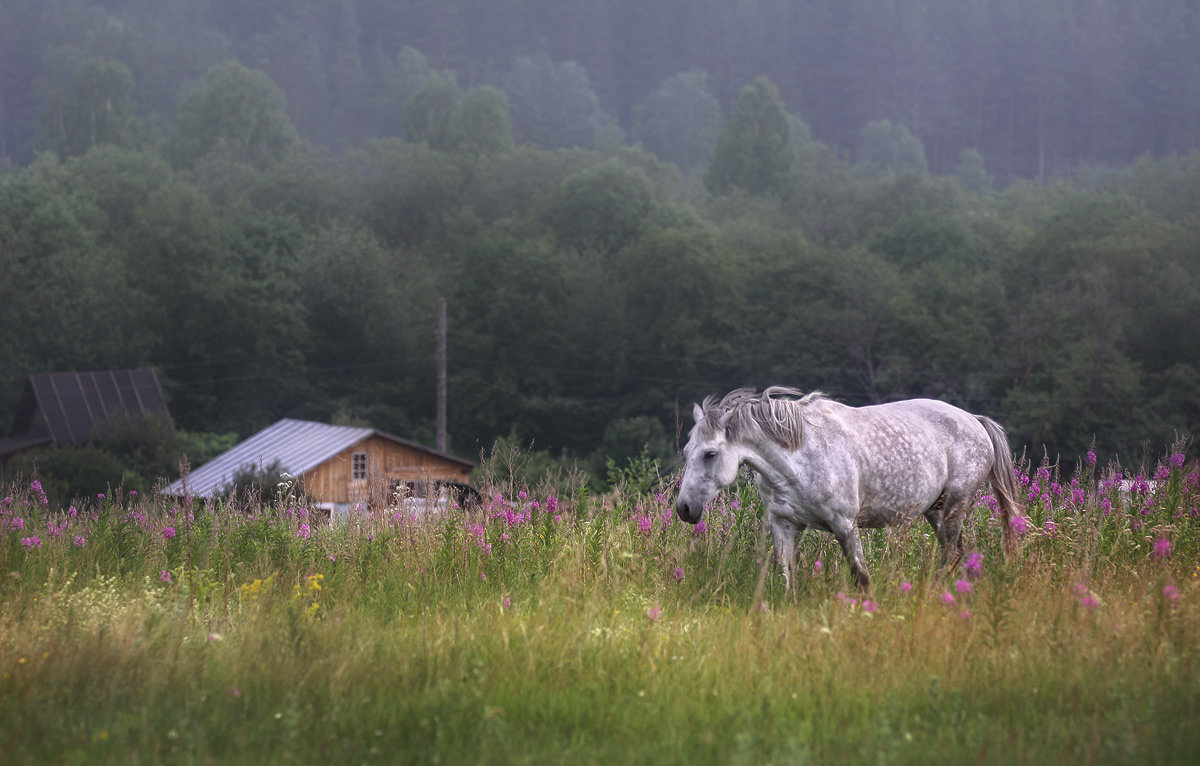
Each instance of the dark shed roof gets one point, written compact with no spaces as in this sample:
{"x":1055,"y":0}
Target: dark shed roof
{"x":69,"y":407}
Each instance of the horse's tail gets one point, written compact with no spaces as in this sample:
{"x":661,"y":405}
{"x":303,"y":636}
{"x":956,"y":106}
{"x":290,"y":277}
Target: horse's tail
{"x":1004,"y":483}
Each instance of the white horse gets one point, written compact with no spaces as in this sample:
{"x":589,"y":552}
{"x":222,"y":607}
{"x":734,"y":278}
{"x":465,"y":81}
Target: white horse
{"x":829,"y":466}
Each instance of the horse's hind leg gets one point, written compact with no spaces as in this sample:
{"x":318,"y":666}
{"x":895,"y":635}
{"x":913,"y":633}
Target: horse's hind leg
{"x":946,"y":516}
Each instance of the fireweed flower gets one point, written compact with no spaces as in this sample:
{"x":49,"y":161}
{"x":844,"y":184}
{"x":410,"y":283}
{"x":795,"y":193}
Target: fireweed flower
{"x":947,"y":598}
{"x":962,"y":586}
{"x":678,"y":574}
{"x":168,"y":532}
{"x":165,"y":575}
{"x":1091,"y":458}
{"x":1087,"y":599}
{"x":905,"y":587}
{"x":30,"y":543}
{"x":80,"y":541}
{"x":870,"y":606}
{"x":700,"y":530}
{"x":1019,"y":525}
{"x":304,"y":531}
{"x":1162,"y":548}
{"x":973,"y":565}
{"x":1171,"y":594}
{"x":645,"y":524}
{"x":654,"y":612}
{"x":818,"y":567}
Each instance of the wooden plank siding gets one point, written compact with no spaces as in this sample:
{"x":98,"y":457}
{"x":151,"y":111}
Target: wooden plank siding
{"x":387,"y":462}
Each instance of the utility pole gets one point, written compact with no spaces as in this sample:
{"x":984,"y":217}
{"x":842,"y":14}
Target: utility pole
{"x":441,"y":376}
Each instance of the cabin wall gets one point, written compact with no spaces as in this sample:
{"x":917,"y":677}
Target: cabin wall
{"x":387,"y":462}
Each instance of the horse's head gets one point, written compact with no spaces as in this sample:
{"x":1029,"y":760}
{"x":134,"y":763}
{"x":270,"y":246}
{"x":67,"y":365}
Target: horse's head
{"x":711,"y":462}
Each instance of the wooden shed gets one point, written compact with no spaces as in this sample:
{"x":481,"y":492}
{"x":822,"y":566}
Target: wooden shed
{"x":74,"y":408}
{"x":341,"y":467}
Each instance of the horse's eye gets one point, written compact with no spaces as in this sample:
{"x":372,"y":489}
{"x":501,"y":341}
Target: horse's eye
{"x":710,"y":454}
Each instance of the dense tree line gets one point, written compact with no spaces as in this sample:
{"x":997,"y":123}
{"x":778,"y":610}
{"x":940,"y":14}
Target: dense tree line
{"x":595,"y":288}
{"x":1037,"y":88}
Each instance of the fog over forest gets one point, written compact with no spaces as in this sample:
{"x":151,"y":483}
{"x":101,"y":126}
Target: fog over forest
{"x":628,"y":205}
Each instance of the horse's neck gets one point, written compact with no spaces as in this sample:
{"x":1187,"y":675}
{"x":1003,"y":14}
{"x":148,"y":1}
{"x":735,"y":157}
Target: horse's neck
{"x":769,"y":460}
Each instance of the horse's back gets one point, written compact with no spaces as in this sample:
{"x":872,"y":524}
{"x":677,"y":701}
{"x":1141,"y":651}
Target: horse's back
{"x":909,"y":452}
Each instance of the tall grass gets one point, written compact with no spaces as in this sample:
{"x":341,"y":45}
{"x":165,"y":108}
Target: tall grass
{"x":580,"y":629}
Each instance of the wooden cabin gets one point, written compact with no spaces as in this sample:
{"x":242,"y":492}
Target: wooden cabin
{"x":341,"y":467}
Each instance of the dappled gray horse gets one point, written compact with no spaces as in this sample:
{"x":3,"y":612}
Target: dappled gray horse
{"x":828,"y":466}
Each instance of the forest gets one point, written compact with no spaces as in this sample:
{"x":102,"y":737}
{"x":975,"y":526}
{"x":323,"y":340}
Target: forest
{"x":627,"y":206}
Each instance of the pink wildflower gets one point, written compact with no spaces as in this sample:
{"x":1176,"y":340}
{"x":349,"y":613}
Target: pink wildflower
{"x":1162,"y":548}
{"x":947,"y":598}
{"x":678,"y":574}
{"x":1171,"y":594}
{"x":165,"y":575}
{"x":31,"y":542}
{"x":973,"y":565}
{"x":870,"y":606}
{"x":654,"y":612}
{"x":304,"y":531}
{"x":905,"y":587}
{"x":962,"y":586}
{"x":168,"y":532}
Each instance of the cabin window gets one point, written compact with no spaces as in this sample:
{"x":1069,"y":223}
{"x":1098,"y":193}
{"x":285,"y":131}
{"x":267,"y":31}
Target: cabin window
{"x":358,"y":466}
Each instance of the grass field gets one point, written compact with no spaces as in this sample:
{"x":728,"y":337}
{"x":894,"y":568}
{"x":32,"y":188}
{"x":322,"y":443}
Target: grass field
{"x":551,"y":626}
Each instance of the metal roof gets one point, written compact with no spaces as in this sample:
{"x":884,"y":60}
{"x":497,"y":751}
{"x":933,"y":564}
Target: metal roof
{"x":69,"y":407}
{"x":297,"y":446}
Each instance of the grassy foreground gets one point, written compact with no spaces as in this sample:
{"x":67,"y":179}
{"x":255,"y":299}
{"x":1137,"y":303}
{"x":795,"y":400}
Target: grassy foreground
{"x":541,"y":629}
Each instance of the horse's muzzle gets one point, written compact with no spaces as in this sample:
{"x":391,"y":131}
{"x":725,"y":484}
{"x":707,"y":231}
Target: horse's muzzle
{"x":686,"y":512}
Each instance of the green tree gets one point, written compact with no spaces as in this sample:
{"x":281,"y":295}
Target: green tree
{"x":680,"y":121}
{"x":553,"y":105}
{"x":603,"y":208}
{"x":886,"y":149}
{"x":971,"y":172}
{"x":235,"y":111}
{"x":482,"y":125}
{"x":96,"y":108}
{"x":753,"y":151}
{"x":431,"y":114}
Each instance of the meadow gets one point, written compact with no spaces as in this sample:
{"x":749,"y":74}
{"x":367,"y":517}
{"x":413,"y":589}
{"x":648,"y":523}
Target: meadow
{"x":551,"y":625}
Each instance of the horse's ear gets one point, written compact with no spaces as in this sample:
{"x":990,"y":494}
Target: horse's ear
{"x":697,"y":413}
{"x":724,"y":421}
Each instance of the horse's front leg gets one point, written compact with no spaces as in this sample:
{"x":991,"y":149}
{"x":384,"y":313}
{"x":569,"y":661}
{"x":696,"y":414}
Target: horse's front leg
{"x":846,"y":532}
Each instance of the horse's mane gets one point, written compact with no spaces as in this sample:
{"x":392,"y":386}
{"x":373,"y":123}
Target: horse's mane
{"x":776,"y":414}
